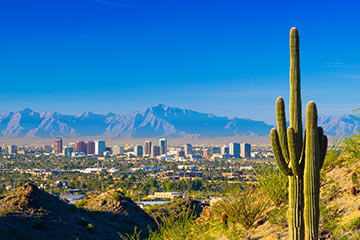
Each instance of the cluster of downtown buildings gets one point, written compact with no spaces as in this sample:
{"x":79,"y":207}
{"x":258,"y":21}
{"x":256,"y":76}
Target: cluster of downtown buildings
{"x":235,"y":150}
{"x":148,"y":149}
{"x":80,"y":148}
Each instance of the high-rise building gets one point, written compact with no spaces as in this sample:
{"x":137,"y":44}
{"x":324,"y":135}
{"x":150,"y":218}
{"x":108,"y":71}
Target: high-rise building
{"x":68,"y":151}
{"x":12,"y":149}
{"x":206,"y":153}
{"x":47,"y":147}
{"x":147,"y":148}
{"x":188,"y":149}
{"x":224,"y":150}
{"x":245,"y":150}
{"x":180,"y":153}
{"x":138,"y":150}
{"x":122,"y":149}
{"x":80,"y":146}
{"x":163,"y":146}
{"x":117,"y":150}
{"x":58,"y":146}
{"x":234,"y":149}
{"x":90,"y":147}
{"x":155,"y":151}
{"x":100,"y":147}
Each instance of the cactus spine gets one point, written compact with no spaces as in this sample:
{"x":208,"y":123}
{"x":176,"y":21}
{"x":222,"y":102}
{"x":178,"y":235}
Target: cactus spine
{"x":299,"y":159}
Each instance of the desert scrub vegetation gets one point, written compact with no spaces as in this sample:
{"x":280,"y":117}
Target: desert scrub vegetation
{"x":273,"y":183}
{"x":171,"y":227}
{"x":243,"y":208}
{"x":275,"y":186}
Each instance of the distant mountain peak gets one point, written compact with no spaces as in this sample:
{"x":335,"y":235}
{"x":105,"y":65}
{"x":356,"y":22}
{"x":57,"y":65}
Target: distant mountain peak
{"x":26,"y":110}
{"x":156,"y":121}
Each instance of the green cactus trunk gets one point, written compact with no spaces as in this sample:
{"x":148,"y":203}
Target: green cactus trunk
{"x":312,"y":174}
{"x":288,"y":145}
{"x":300,"y":162}
{"x":295,"y":210}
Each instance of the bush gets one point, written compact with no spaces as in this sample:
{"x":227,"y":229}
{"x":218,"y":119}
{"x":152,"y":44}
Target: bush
{"x":353,"y":224}
{"x":351,"y":146}
{"x":354,"y":178}
{"x":117,"y":196}
{"x":273,"y":183}
{"x":244,"y":207}
{"x":175,"y":227}
{"x":277,"y":216}
{"x":135,"y":236}
{"x":332,"y":155}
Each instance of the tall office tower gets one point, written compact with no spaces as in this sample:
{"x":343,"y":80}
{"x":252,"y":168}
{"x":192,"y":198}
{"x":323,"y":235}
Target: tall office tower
{"x":138,"y":150}
{"x":155,"y":151}
{"x":187,"y":149}
{"x":68,"y":151}
{"x":224,"y":150}
{"x":122,"y":149}
{"x":12,"y":149}
{"x":99,"y":147}
{"x":80,"y":146}
{"x":180,"y":153}
{"x":206,"y":153}
{"x":58,"y":145}
{"x":234,"y":149}
{"x":90,"y":147}
{"x":147,"y":148}
{"x":245,"y":150}
{"x":163,"y":146}
{"x":47,"y":147}
{"x":115,"y":150}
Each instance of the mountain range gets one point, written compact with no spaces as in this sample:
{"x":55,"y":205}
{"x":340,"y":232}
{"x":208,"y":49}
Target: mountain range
{"x":156,"y":121}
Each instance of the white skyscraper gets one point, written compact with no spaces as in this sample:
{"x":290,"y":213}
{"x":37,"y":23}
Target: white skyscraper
{"x":225,"y":150}
{"x":163,"y":146}
{"x":138,"y":150}
{"x":99,"y":147}
{"x":245,"y":150}
{"x":234,"y":149}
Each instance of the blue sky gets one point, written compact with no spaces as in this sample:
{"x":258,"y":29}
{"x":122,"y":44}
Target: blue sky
{"x":226,"y":57}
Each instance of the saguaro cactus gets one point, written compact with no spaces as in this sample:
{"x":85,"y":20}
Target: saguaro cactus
{"x":288,"y":145}
{"x":316,"y":144}
{"x":292,"y":153}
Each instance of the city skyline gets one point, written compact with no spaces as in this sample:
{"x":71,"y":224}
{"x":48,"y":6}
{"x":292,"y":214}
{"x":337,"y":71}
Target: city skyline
{"x":122,"y":56}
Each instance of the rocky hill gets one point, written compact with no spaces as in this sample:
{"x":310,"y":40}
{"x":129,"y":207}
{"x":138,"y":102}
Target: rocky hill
{"x":30,"y":213}
{"x":115,"y":202}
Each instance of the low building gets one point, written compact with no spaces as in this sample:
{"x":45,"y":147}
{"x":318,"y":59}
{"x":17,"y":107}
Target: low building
{"x":170,"y":195}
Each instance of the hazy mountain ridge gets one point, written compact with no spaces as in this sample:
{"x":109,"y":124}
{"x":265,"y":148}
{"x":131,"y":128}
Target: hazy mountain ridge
{"x":157,"y":121}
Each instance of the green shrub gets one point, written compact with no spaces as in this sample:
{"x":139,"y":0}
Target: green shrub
{"x":354,"y":178}
{"x":332,"y":155}
{"x":117,"y":196}
{"x":353,"y":224}
{"x":273,"y":183}
{"x":244,"y":207}
{"x":277,"y":216}
{"x":90,"y":228}
{"x":351,"y":146}
{"x":135,"y":236}
{"x":81,"y":203}
{"x":175,"y":227}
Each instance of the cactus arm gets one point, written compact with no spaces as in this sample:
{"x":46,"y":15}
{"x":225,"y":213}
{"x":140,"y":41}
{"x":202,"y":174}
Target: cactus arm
{"x":281,"y":127}
{"x":311,"y":175}
{"x":292,"y":150}
{"x":323,"y":150}
{"x":295,"y":94}
{"x":302,"y":160}
{"x":280,"y":161}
